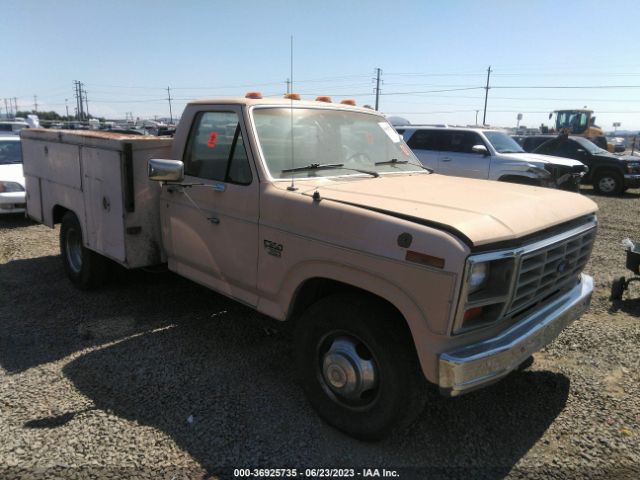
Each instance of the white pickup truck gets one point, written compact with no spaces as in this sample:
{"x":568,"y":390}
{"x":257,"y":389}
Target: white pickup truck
{"x":319,"y":214}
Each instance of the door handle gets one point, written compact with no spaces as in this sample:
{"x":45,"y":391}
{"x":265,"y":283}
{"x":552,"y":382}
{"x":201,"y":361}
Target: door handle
{"x":446,"y":159}
{"x":219,"y":187}
{"x":214,"y":220}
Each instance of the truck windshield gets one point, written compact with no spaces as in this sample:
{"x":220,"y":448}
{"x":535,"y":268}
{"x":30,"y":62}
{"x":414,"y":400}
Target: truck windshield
{"x":10,"y":152}
{"x":323,"y":136}
{"x":503,"y":143}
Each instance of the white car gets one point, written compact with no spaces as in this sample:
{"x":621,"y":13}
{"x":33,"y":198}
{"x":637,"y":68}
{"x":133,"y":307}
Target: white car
{"x":488,"y":154}
{"x":12,"y":189}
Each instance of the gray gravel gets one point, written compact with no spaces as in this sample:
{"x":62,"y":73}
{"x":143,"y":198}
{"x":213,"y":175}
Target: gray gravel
{"x":156,"y":377}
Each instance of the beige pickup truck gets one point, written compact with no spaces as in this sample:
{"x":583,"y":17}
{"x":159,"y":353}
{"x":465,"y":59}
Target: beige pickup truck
{"x":318,"y":214}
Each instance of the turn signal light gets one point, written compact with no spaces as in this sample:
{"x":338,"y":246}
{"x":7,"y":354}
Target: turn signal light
{"x":348,"y":102}
{"x":254,"y":95}
{"x":323,"y":98}
{"x":424,"y":259}
{"x":472,"y":313}
{"x":292,"y":96}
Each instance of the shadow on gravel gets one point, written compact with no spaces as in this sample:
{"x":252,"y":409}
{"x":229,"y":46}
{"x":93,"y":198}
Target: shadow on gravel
{"x":43,"y":318}
{"x":223,"y":388}
{"x":627,"y":305}
{"x":15,"y":220}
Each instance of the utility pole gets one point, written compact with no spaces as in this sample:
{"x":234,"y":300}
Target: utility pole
{"x":378,"y":72}
{"x":288,"y":85}
{"x":170,"y":110}
{"x":477,"y":117}
{"x":66,"y":106}
{"x":86,"y":100}
{"x":6,"y":109}
{"x":486,"y":95}
{"x":35,"y":104}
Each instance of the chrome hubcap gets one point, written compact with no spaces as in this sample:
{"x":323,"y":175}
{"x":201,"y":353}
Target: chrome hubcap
{"x":348,"y":369}
{"x":74,"y":250}
{"x":607,"y":184}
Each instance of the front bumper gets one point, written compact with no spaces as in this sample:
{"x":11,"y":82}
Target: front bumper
{"x":632,"y":180}
{"x":12,"y":202}
{"x":477,"y":365}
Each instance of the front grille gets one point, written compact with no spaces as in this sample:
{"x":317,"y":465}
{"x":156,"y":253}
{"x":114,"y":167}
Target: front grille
{"x":550,"y":270}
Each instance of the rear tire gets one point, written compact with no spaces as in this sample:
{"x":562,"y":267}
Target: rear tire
{"x":358,"y":366}
{"x":608,"y":182}
{"x":85,"y":268}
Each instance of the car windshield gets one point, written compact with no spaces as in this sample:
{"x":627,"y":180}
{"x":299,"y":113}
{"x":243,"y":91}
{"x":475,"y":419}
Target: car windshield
{"x":503,"y":143}
{"x":589,"y":146}
{"x":324,"y":138}
{"x":10,"y":152}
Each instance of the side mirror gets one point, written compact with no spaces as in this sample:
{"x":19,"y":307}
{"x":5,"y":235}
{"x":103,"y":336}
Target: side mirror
{"x":165,"y":170}
{"x":480,"y":149}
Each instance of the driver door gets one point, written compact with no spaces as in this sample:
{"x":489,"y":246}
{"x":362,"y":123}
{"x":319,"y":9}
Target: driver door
{"x":457,"y":157}
{"x":210,"y":229}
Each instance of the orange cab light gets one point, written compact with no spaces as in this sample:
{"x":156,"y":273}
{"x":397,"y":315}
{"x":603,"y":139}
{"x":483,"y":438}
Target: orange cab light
{"x":292,"y":96}
{"x":255,"y":95}
{"x":323,"y":98}
{"x":348,"y":102}
{"x":472,"y":313}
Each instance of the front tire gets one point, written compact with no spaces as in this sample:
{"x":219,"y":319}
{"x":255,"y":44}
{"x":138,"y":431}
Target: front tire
{"x":358,"y":366}
{"x":608,"y":183}
{"x":85,"y":268}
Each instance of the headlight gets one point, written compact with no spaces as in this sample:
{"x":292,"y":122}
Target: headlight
{"x":10,"y":187}
{"x":484,"y":292}
{"x":478,"y":276}
{"x":633,"y":167}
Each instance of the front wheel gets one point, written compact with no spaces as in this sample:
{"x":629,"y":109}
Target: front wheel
{"x":85,"y":268}
{"x":358,"y":366}
{"x":608,"y":183}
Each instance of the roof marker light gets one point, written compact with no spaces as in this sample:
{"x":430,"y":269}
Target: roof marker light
{"x":254,"y":95}
{"x":292,"y":96}
{"x":348,"y":102}
{"x":323,"y":98}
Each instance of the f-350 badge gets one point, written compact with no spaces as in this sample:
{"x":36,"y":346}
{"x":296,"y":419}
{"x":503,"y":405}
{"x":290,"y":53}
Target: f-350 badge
{"x":273,"y":248}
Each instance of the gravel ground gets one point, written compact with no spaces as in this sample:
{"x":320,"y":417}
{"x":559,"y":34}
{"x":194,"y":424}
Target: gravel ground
{"x":156,"y":377}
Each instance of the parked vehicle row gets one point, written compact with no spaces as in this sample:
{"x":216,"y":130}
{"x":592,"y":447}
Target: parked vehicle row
{"x":488,"y":154}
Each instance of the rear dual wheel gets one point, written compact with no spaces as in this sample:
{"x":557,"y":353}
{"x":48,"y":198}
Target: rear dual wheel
{"x":358,"y":366}
{"x":85,"y":268}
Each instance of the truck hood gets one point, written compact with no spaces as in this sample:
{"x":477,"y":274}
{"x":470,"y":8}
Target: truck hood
{"x":538,"y":158}
{"x":483,"y":211}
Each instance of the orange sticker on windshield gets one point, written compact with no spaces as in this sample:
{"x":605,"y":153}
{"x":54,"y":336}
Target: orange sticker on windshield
{"x":370,"y":138}
{"x":405,"y":149}
{"x":213,"y":138}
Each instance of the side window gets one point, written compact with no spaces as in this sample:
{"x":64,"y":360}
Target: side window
{"x":424,"y":140}
{"x":462,"y":142}
{"x":547,"y":147}
{"x":567,"y":149}
{"x":215,"y":149}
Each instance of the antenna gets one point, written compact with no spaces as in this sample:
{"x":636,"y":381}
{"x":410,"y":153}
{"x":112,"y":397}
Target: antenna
{"x":291,"y":187}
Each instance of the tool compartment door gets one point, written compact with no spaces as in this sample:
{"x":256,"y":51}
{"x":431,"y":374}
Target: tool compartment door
{"x":103,"y":196}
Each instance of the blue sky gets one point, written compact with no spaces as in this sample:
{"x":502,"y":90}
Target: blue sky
{"x":433,"y":55}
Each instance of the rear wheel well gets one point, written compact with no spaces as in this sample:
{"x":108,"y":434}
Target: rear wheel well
{"x":59,"y":212}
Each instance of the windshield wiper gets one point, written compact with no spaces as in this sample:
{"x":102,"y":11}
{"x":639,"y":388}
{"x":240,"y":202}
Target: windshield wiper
{"x":395,"y":161}
{"x":327,"y":166}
